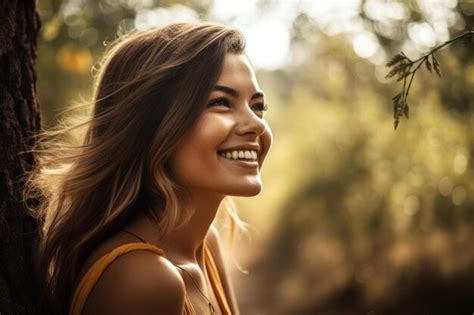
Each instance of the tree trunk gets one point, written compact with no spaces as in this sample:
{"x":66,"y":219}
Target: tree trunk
{"x":19,"y":118}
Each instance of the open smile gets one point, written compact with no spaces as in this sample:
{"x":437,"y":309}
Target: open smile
{"x":242,"y":158}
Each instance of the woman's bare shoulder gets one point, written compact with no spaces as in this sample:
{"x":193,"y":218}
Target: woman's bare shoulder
{"x":139,"y":282}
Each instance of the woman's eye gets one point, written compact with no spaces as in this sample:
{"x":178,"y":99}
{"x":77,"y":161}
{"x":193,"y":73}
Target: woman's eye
{"x":219,"y":102}
{"x":260,"y":107}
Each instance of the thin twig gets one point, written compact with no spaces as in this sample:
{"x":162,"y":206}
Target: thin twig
{"x":401,"y":65}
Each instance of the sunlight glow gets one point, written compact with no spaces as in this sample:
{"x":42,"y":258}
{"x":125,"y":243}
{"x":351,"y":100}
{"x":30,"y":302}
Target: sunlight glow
{"x":377,"y":10}
{"x":422,"y":34}
{"x":148,"y":18}
{"x":460,"y":163}
{"x":267,"y":33}
{"x":365,"y":44}
{"x":267,"y":43}
{"x":459,"y":195}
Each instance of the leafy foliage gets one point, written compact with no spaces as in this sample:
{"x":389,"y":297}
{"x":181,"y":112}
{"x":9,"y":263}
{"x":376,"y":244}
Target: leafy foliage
{"x":405,"y":69}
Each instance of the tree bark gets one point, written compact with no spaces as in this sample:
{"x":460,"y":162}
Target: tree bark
{"x":19,"y":118}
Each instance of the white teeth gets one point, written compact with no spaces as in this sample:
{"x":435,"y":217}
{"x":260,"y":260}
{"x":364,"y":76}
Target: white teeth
{"x":240,"y":155}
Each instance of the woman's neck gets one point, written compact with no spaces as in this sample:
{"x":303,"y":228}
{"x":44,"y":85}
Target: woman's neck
{"x":183,"y":245}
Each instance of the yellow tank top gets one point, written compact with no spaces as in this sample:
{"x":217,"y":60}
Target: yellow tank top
{"x":89,"y":280}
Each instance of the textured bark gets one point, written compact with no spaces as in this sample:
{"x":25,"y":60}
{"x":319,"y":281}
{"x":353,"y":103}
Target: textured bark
{"x":19,"y":118}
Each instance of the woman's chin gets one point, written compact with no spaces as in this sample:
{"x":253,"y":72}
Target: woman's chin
{"x":248,"y":191}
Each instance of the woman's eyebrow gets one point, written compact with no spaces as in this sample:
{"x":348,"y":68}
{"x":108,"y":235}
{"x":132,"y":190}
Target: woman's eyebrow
{"x":235,"y":93}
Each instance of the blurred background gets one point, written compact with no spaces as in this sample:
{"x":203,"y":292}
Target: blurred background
{"x":355,"y":217}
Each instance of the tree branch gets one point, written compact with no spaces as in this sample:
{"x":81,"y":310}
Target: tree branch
{"x":401,"y":65}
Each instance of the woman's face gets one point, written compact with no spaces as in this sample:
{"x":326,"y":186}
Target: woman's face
{"x":224,"y":151}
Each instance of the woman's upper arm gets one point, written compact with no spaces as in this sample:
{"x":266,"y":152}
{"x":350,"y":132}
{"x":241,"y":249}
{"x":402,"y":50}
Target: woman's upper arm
{"x":214,"y":241}
{"x":140,"y":283}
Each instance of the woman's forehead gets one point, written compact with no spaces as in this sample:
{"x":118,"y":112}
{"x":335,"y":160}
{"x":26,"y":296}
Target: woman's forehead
{"x":238,"y":73}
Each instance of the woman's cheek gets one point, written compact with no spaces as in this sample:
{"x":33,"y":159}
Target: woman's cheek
{"x":266,"y":142}
{"x":217,"y":128}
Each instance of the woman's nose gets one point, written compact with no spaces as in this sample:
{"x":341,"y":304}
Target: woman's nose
{"x":250,"y":123}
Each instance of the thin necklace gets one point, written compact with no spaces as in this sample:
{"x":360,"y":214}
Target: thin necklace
{"x":211,"y":306}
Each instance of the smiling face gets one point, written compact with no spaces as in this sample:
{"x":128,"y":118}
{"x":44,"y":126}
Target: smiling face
{"x":223,"y":153}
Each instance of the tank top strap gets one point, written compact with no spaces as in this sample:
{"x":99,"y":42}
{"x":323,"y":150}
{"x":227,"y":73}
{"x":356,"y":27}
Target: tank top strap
{"x":216,"y":282}
{"x":91,"y":277}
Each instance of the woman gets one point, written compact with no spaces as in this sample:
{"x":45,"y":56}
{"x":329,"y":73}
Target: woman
{"x":177,"y":124}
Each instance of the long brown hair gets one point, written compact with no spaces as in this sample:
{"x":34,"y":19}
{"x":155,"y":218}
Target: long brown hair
{"x":149,"y":91}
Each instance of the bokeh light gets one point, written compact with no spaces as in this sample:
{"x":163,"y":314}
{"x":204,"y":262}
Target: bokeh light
{"x":354,"y":217}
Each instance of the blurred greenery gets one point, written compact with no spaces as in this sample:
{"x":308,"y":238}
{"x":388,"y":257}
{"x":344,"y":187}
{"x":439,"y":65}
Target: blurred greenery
{"x":355,"y":218}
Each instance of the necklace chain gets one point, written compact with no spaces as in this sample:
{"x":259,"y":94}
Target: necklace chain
{"x":211,"y":307}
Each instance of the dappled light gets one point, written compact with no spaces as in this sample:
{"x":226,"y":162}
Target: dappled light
{"x":355,"y":217}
